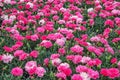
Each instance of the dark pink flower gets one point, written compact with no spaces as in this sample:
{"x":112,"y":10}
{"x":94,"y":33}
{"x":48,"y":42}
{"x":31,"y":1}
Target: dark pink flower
{"x":113,"y":73}
{"x":104,"y":72}
{"x":53,"y":56}
{"x":23,"y":56}
{"x":34,"y":54}
{"x":76,"y":77}
{"x":7,"y":49}
{"x":113,"y":60}
{"x":17,"y":71}
{"x":62,"y":51}
{"x":109,"y":22}
{"x":46,"y":61}
{"x":76,"y":49}
{"x":70,"y":57}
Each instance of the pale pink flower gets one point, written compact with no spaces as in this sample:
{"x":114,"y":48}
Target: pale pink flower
{"x":56,"y":61}
{"x":90,"y":10}
{"x":97,"y":51}
{"x":6,"y":58}
{"x":64,"y":30}
{"x":40,"y":71}
{"x":30,"y":65}
{"x":95,"y":39}
{"x":42,"y":22}
{"x":7,"y":1}
{"x":12,"y":17}
{"x":50,"y":1}
{"x":118,"y":64}
{"x":60,"y":42}
{"x":79,"y":20}
{"x":61,"y":22}
{"x":104,"y":41}
{"x":115,"y":12}
{"x":85,"y":76}
{"x":30,"y":4}
{"x":85,"y":59}
{"x":110,"y":50}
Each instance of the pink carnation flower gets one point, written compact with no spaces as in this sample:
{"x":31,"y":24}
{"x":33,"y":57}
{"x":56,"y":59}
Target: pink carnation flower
{"x":17,"y":71}
{"x":34,"y":37}
{"x":56,"y":61}
{"x":23,"y":56}
{"x":113,"y":60}
{"x":61,"y":75}
{"x":60,"y":42}
{"x":62,"y":51}
{"x":76,"y":49}
{"x":53,"y":56}
{"x":40,"y":29}
{"x":31,"y":65}
{"x":76,"y":77}
{"x":7,"y":49}
{"x":17,"y":53}
{"x":46,"y":61}
{"x":34,"y":54}
{"x":40,"y":71}
{"x":7,"y":58}
{"x":109,"y":22}
{"x":77,"y":59}
{"x":46,"y":44}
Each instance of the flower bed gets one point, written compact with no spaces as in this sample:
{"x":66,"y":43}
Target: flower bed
{"x":59,"y":40}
